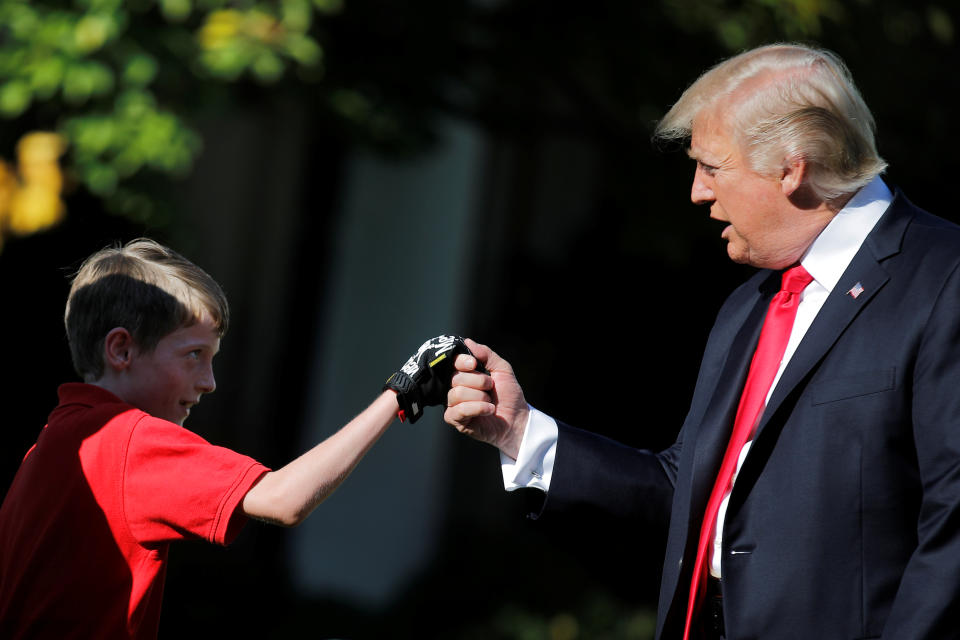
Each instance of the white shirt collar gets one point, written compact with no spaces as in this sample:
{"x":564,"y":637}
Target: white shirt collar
{"x":830,"y":254}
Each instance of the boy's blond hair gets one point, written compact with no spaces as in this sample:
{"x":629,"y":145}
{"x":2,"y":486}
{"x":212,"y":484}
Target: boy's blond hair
{"x":144,"y":287}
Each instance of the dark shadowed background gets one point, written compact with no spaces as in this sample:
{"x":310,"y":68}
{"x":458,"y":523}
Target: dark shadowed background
{"x":407,"y":169}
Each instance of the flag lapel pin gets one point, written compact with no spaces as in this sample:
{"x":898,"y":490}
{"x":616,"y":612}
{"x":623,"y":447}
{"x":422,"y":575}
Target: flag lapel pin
{"x":855,"y":291}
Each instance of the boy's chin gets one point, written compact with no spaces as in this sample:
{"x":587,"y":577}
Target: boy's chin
{"x":177,"y":417}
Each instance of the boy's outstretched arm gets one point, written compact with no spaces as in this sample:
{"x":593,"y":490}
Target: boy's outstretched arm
{"x":288,"y":495}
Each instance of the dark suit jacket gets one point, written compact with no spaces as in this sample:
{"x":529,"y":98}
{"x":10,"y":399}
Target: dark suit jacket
{"x":845,"y":519}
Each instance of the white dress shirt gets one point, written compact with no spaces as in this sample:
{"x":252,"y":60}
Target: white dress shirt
{"x":826,"y":260}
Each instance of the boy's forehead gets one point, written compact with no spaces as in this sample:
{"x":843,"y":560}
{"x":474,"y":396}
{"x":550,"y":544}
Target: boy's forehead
{"x":204,"y":331}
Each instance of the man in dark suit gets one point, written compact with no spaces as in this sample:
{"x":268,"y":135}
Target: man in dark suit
{"x":832,"y":511}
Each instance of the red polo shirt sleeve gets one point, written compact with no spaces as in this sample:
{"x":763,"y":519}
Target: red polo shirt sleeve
{"x":177,"y":485}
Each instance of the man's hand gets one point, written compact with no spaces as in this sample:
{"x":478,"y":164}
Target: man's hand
{"x":489,"y":407}
{"x":424,"y":379}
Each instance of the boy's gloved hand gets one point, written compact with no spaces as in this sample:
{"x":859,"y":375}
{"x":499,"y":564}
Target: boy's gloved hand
{"x":424,"y":379}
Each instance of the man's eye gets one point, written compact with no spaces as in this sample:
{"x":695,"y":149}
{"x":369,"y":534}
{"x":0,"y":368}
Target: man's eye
{"x":707,"y":169}
{"x":195,"y":354}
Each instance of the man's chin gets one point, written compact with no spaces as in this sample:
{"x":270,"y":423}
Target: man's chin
{"x":738,"y":254}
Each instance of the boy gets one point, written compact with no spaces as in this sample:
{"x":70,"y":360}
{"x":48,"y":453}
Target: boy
{"x":114,"y":477}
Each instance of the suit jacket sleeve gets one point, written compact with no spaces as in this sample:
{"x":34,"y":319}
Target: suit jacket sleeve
{"x":599,"y":474}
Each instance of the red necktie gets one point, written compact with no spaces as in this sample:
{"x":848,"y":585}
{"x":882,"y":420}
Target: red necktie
{"x":763,"y":368}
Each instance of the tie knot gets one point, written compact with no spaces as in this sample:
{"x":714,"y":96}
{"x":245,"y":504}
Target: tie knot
{"x":795,"y":279}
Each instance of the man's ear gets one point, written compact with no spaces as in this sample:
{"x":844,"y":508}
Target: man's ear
{"x":118,"y":348}
{"x":793,"y":175}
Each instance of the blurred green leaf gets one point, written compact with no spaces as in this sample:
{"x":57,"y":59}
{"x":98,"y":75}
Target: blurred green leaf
{"x":92,"y":32}
{"x":15,"y":97}
{"x":296,"y":15}
{"x":84,"y":80}
{"x":941,"y":24}
{"x":140,"y":70}
{"x":267,"y":67}
{"x":46,"y":75}
{"x":328,"y":6}
{"x":99,"y":177}
{"x":176,"y":10}
{"x":732,"y":34}
{"x":304,"y":50}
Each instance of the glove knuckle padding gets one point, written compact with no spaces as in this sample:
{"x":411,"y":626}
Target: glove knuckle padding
{"x":424,"y":379}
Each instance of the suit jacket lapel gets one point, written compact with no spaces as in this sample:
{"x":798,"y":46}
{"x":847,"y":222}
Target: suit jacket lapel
{"x":714,"y":430}
{"x":840,"y":308}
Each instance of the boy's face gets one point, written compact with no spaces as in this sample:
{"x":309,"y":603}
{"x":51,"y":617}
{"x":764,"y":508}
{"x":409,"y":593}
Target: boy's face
{"x":169,"y":380}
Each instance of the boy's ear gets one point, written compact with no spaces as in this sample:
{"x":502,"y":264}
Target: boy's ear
{"x":118,"y":348}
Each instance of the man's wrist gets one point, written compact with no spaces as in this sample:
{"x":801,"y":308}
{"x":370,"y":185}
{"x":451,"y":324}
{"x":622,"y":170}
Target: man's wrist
{"x":515,"y":435}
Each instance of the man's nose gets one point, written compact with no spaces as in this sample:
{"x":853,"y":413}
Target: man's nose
{"x":701,"y":193}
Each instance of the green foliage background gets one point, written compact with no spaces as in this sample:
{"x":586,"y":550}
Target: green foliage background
{"x":121,"y":80}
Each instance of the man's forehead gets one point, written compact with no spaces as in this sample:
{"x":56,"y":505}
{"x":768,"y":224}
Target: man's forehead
{"x":702,"y":148}
{"x":710,"y":140}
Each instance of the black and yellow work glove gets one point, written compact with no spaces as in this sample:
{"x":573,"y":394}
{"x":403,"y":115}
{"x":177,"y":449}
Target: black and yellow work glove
{"x":424,"y":379}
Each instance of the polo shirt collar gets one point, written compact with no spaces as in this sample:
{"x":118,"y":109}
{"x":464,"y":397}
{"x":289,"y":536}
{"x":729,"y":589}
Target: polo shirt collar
{"x":85,"y":394}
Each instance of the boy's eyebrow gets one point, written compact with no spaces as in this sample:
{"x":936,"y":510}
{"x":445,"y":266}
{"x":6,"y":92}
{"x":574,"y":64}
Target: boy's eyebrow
{"x":200,"y":343}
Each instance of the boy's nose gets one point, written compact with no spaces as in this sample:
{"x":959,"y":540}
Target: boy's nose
{"x":207,"y":383}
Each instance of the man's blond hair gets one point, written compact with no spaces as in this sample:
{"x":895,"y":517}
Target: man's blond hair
{"x":144,"y":287}
{"x":785,"y":101}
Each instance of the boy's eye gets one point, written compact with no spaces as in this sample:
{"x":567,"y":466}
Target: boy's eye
{"x":195,"y":354}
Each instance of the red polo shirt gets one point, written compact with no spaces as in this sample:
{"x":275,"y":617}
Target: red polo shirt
{"x":87,"y":523}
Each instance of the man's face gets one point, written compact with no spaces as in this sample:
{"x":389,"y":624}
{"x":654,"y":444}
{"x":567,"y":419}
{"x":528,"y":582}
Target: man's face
{"x":762,"y":230}
{"x":169,"y":380}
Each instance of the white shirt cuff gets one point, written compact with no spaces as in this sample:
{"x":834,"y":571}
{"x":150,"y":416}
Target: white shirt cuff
{"x":533,"y":467}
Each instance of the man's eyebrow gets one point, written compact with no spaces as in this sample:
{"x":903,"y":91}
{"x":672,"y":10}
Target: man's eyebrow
{"x":699,"y":159}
